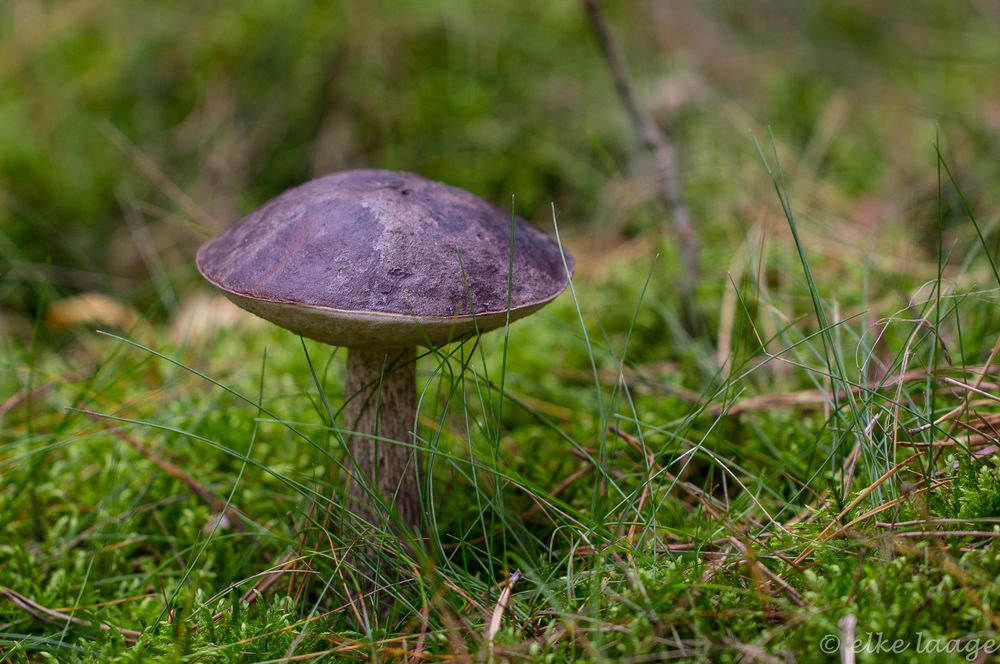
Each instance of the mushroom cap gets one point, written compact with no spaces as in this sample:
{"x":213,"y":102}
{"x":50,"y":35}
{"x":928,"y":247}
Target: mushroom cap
{"x":373,"y":258}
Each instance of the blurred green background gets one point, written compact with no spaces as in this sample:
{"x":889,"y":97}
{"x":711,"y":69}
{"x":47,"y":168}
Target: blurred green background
{"x":131,"y":131}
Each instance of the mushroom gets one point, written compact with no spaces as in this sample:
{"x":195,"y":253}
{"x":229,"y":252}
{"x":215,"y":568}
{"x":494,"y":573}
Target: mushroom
{"x":381,"y":262}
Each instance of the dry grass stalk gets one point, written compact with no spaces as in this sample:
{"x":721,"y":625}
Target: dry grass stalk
{"x":825,"y":534}
{"x":887,"y":505}
{"x":977,"y":384}
{"x":765,"y":571}
{"x":948,"y":533}
{"x":500,"y":608}
{"x":24,"y":396}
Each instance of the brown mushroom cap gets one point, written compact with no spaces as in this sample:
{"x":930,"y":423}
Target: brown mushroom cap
{"x":372,"y":258}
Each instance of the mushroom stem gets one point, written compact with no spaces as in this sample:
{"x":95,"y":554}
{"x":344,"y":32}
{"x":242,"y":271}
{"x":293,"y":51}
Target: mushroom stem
{"x":381,"y":406}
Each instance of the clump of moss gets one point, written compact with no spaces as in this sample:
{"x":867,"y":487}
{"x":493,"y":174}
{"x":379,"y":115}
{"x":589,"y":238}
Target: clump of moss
{"x":977,"y":495}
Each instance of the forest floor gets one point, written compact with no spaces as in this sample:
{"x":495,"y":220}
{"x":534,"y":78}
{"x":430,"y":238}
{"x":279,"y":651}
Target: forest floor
{"x":807,"y":464}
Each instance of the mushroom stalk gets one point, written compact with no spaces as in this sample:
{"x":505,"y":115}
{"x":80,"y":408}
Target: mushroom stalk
{"x":381,"y":407}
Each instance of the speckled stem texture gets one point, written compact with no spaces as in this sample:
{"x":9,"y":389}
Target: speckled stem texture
{"x":382,"y":404}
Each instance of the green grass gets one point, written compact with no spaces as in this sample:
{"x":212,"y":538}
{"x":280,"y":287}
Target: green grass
{"x":823,"y":447}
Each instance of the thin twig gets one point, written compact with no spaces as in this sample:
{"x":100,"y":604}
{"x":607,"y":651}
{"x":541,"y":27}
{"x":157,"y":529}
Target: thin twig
{"x":659,"y":144}
{"x":54,"y":617}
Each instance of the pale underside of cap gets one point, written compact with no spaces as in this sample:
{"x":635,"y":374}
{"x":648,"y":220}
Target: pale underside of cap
{"x":367,"y":329}
{"x":382,"y":259}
